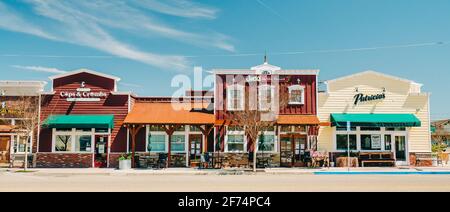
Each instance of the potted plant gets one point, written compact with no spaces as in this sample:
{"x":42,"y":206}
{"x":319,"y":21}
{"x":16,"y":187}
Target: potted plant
{"x":125,"y":162}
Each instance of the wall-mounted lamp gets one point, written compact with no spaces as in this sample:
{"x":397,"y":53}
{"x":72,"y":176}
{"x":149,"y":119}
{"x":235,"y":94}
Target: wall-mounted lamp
{"x":2,"y":93}
{"x":298,"y":81}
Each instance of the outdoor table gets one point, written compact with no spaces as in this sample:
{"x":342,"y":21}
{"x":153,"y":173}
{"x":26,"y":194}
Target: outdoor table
{"x":343,"y":161}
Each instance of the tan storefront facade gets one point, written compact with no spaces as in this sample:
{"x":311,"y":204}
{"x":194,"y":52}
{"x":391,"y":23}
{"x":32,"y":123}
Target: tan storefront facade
{"x":367,"y":100}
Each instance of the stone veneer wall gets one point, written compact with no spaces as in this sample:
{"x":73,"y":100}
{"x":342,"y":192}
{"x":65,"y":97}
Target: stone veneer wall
{"x":61,"y":160}
{"x":240,"y":160}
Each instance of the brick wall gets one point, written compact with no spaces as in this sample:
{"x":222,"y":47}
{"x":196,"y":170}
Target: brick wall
{"x":52,"y":160}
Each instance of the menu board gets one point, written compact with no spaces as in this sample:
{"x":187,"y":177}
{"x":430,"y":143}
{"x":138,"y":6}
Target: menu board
{"x":376,"y":141}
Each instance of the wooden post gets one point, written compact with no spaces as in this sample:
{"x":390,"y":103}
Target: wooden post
{"x":170,"y":130}
{"x":205,"y":131}
{"x":134,"y":130}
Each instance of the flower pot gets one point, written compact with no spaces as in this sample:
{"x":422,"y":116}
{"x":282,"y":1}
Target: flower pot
{"x":124,"y":164}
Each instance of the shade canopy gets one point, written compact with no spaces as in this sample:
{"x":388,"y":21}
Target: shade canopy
{"x":170,"y":113}
{"x":6,"y":128}
{"x":375,"y":120}
{"x":80,"y":121}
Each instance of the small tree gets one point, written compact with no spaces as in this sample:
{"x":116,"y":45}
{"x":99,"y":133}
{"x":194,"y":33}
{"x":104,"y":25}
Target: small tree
{"x":440,"y":136}
{"x":255,"y":120}
{"x":28,"y":112}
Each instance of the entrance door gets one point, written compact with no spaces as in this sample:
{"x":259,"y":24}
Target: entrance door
{"x":286,"y":151}
{"x":195,"y":150}
{"x":292,"y":150}
{"x":4,"y":149}
{"x":400,"y":148}
{"x":101,"y":151}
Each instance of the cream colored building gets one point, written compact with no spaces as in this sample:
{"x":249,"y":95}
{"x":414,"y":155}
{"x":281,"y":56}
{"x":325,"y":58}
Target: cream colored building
{"x":386,"y":114}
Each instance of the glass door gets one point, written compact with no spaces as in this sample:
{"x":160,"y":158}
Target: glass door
{"x":300,"y":148}
{"x":400,"y":148}
{"x":286,"y":151}
{"x":195,"y":149}
{"x":101,"y":151}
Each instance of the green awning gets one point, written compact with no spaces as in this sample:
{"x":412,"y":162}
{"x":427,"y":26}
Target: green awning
{"x":375,"y":120}
{"x":80,"y":121}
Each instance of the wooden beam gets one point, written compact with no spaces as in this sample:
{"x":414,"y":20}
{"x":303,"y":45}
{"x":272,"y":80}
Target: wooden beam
{"x":134,"y":130}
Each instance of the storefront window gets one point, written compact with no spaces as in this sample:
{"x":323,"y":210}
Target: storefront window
{"x":101,"y":130}
{"x":395,"y":129}
{"x":194,"y":129}
{"x":371,"y":142}
{"x":83,"y":143}
{"x":266,"y":143}
{"x":300,"y":128}
{"x":83,"y":130}
{"x":157,"y":128}
{"x":63,"y":143}
{"x":370,"y":129}
{"x":235,"y":128}
{"x":345,"y":128}
{"x":387,"y":142}
{"x":342,"y":144}
{"x":177,"y":143}
{"x":19,"y":145}
{"x":156,"y":143}
{"x":235,"y":143}
{"x":285,"y":128}
{"x":181,"y":128}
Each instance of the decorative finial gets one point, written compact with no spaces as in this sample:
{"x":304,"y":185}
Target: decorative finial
{"x":265,"y":57}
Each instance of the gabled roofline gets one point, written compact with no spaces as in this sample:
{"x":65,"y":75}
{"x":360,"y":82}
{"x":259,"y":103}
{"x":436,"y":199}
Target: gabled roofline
{"x":373,"y":72}
{"x":279,"y":72}
{"x":85,"y":71}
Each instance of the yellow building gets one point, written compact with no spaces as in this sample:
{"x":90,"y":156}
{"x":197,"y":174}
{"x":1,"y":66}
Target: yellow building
{"x":386,"y":114}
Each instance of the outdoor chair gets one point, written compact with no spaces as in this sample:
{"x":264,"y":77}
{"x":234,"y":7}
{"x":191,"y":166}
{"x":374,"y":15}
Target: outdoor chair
{"x":205,"y":161}
{"x":162,"y":161}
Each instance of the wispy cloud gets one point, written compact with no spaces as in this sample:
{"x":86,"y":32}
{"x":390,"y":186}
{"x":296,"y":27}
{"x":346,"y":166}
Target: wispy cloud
{"x":89,"y":23}
{"x":181,"y":8}
{"x":40,"y":69}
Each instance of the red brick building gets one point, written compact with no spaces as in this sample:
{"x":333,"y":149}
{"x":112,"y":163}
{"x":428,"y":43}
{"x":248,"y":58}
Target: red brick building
{"x":82,"y":121}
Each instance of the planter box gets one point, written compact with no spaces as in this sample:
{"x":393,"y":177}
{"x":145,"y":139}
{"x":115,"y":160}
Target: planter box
{"x":124,"y":164}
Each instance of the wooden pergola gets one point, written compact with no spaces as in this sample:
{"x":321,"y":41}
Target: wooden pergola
{"x":170,"y":118}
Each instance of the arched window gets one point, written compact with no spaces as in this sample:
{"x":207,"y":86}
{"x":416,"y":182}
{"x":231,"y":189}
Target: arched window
{"x":296,"y":95}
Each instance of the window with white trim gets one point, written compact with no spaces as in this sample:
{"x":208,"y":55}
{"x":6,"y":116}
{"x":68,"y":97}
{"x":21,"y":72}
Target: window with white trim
{"x":266,"y":142}
{"x":235,"y":98}
{"x":178,"y":143}
{"x":235,"y":140}
{"x":265,"y":96}
{"x":156,"y":139}
{"x":74,"y":140}
{"x":296,"y":95}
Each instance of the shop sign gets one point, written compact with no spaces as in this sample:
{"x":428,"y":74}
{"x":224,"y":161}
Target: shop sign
{"x":5,"y":111}
{"x":83,"y":94}
{"x":376,"y":141}
{"x":361,"y":98}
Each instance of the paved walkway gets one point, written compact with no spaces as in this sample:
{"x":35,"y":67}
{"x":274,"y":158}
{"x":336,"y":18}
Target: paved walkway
{"x":271,"y":171}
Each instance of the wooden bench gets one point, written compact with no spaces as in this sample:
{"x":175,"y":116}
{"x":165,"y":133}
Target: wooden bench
{"x":425,"y":156}
{"x":376,"y":157}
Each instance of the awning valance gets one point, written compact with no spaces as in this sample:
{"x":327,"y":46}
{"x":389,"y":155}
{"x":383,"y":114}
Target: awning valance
{"x":80,"y":121}
{"x":375,"y":120}
{"x":298,"y":120}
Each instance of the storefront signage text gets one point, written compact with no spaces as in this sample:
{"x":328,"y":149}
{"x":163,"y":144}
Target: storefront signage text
{"x":83,"y":94}
{"x":359,"y":98}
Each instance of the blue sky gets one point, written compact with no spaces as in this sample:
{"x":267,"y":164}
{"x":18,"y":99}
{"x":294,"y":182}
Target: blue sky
{"x":147,"y":42}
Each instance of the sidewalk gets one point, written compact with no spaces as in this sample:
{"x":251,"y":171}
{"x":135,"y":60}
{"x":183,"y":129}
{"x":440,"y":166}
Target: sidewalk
{"x":269,"y":171}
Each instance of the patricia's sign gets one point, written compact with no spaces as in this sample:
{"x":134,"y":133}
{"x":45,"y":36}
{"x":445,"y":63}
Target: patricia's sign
{"x":83,"y":94}
{"x":5,"y":111}
{"x":361,"y":98}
